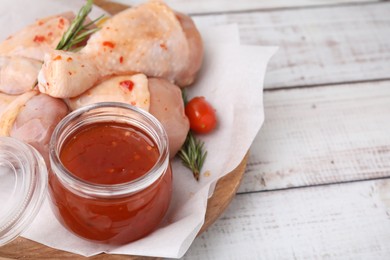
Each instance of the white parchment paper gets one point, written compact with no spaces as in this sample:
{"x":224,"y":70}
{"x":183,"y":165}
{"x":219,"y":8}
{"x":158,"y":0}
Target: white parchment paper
{"x":231,"y":79}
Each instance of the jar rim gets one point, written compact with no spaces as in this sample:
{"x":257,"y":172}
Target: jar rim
{"x":85,"y":188}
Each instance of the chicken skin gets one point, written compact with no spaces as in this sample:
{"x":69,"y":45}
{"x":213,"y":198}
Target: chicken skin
{"x":18,"y":74}
{"x":150,"y":39}
{"x":36,"y":120}
{"x":37,"y":39}
{"x":31,"y":118}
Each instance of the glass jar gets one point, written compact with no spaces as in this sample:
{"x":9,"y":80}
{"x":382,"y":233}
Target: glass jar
{"x":110,"y":213}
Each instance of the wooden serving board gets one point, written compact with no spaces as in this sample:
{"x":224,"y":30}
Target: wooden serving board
{"x":225,"y":191}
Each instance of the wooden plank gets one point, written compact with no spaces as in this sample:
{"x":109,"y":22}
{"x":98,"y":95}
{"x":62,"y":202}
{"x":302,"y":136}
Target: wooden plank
{"x":319,"y":45}
{"x":348,"y":221}
{"x":217,"y":6}
{"x":321,"y":135}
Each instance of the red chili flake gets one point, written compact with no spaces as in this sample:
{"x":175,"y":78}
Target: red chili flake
{"x":133,"y":103}
{"x":178,"y":18}
{"x":82,"y":65}
{"x":58,"y":57}
{"x":109,"y":44}
{"x":121,"y":59}
{"x":47,"y":84}
{"x":69,"y":59}
{"x":70,"y":73}
{"x":128,"y":84}
{"x":40,"y":23}
{"x":61,"y":23}
{"x":39,"y":38}
{"x":163,"y":46}
{"x":50,"y":34}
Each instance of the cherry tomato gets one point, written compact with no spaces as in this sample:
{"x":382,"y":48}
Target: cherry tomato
{"x":201,"y":115}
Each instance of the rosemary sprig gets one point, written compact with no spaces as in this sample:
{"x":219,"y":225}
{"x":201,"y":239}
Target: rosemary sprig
{"x":77,"y":32}
{"x":192,"y":152}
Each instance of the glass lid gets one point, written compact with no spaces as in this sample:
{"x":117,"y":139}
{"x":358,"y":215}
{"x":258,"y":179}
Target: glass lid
{"x":23,"y":181}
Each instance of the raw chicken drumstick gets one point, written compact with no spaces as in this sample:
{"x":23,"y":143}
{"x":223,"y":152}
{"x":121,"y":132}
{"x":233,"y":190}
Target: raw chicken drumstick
{"x":21,"y":54}
{"x":18,"y":74}
{"x":166,"y":104}
{"x":150,"y":38}
{"x":31,"y":118}
{"x":37,"y":39}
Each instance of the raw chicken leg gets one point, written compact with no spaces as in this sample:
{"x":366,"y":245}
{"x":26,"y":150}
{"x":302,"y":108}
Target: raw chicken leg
{"x":149,"y":39}
{"x":132,"y":90}
{"x":166,"y":104}
{"x":22,"y":53}
{"x":36,"y":121}
{"x":67,"y":74}
{"x":195,"y":46}
{"x":31,"y":118}
{"x":37,"y":39}
{"x":18,"y":74}
{"x":9,"y":114}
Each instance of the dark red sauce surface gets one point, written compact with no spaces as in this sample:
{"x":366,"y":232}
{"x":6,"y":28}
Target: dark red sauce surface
{"x":108,"y":153}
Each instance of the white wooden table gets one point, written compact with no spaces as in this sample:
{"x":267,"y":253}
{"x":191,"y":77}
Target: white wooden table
{"x":317,"y":185}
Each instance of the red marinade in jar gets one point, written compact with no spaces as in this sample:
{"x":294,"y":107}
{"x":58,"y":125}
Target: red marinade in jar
{"x":105,"y":153}
{"x":109,"y":153}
